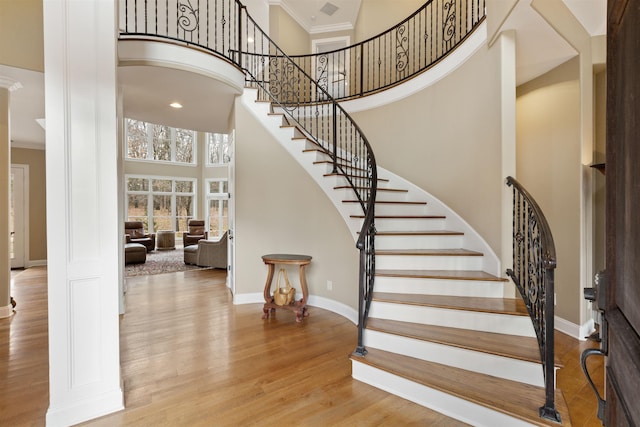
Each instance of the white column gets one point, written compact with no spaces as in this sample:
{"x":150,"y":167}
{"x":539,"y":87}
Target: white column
{"x":7,"y":85}
{"x":82,"y":200}
{"x":506,"y":42}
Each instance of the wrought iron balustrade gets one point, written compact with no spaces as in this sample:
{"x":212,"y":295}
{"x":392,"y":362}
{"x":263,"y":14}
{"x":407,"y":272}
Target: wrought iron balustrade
{"x":380,"y":62}
{"x":534,"y":263}
{"x":398,"y":54}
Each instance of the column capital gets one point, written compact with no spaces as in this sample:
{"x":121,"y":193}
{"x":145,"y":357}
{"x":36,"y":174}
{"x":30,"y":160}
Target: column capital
{"x":9,"y":83}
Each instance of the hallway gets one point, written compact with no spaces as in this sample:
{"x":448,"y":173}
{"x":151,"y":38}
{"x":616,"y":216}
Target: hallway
{"x":190,"y":357}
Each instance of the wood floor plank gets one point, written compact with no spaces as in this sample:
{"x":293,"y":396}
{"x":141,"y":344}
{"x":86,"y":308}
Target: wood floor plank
{"x":192,"y":358}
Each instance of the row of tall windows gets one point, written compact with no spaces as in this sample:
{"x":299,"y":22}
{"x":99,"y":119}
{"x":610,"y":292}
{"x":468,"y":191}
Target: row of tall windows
{"x":161,"y":203}
{"x":168,"y":202}
{"x":160,"y":143}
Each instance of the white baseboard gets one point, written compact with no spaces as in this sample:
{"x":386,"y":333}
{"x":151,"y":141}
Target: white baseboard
{"x":314,"y":301}
{"x":36,"y":263}
{"x":580,"y":332}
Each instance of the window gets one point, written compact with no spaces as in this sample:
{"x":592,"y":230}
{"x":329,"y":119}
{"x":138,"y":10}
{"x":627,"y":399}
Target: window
{"x":161,"y":203}
{"x":218,"y":206}
{"x":218,"y":149}
{"x":148,"y":141}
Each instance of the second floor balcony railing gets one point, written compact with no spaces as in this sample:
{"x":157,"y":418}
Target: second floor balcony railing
{"x":400,"y":53}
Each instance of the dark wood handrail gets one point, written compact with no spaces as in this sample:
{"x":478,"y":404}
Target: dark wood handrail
{"x":534,"y":263}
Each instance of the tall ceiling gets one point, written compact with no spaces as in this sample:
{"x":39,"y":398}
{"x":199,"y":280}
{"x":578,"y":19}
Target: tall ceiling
{"x":539,"y":49}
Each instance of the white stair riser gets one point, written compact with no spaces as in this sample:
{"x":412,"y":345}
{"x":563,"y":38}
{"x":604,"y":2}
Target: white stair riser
{"x":401,"y":209}
{"x":488,"y":364}
{"x":421,"y":262}
{"x":411,"y":285}
{"x":477,"y":321}
{"x":410,"y":224}
{"x":433,"y":241}
{"x":444,"y":403}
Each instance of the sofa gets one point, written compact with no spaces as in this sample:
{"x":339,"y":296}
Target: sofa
{"x":134,"y":233}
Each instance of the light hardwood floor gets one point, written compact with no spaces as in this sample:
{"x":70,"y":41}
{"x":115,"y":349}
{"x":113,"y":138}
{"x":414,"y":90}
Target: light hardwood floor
{"x":191,"y":358}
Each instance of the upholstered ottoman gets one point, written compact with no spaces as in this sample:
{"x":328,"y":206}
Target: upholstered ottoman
{"x":135,"y":253}
{"x":191,"y":254}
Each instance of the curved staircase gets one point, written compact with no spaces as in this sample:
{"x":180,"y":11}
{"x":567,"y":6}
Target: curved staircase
{"x":440,"y":331}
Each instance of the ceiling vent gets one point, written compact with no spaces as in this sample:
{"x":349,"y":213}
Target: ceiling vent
{"x":329,"y":8}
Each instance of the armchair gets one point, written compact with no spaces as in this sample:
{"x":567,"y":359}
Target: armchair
{"x":195,"y":232}
{"x":208,"y":253}
{"x":134,"y":233}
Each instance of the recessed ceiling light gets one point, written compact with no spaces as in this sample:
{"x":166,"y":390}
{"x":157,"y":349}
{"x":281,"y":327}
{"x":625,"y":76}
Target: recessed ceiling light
{"x":250,"y":39}
{"x":175,"y":105}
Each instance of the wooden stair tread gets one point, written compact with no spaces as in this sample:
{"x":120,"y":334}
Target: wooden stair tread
{"x":428,"y":252}
{"x":402,"y":216}
{"x":347,"y":187}
{"x":420,"y":233}
{"x":351,"y":176}
{"x":398,"y":202}
{"x":512,"y":346}
{"x":442,"y":274}
{"x":509,"y":306}
{"x":513,"y":398}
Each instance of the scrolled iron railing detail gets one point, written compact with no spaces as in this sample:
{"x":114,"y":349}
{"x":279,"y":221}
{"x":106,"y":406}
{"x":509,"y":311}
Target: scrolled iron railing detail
{"x":534,"y":263}
{"x":402,"y":46}
{"x":449,"y":25}
{"x":188,"y":18}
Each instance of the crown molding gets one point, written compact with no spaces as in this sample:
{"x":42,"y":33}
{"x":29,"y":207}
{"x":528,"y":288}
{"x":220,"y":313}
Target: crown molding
{"x":9,"y":83}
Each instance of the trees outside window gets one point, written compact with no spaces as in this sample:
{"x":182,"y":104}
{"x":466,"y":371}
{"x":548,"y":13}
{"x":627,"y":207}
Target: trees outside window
{"x":161,"y":203}
{"x":218,"y":149}
{"x":159,"y":143}
{"x":218,"y":206}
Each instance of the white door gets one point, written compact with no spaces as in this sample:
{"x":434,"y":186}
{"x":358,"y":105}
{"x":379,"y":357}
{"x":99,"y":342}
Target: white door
{"x":17,"y":211}
{"x":231,"y":247}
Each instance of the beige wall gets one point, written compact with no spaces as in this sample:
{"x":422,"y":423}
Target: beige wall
{"x":280,"y":209}
{"x":287,"y":33}
{"x":447,"y":140}
{"x":37,"y":200}
{"x":549,"y":166}
{"x":377,"y":16}
{"x":497,"y":13}
{"x":21,"y":34}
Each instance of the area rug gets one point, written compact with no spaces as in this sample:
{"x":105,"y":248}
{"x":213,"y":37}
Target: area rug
{"x":159,"y":262}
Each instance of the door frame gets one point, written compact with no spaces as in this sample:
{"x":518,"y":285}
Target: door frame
{"x":24,"y":214}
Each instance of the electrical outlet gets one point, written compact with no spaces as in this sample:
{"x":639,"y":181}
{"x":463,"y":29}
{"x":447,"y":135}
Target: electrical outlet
{"x":329,"y":285}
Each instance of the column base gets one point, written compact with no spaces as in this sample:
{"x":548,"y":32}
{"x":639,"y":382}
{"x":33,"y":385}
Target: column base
{"x":6,"y":311}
